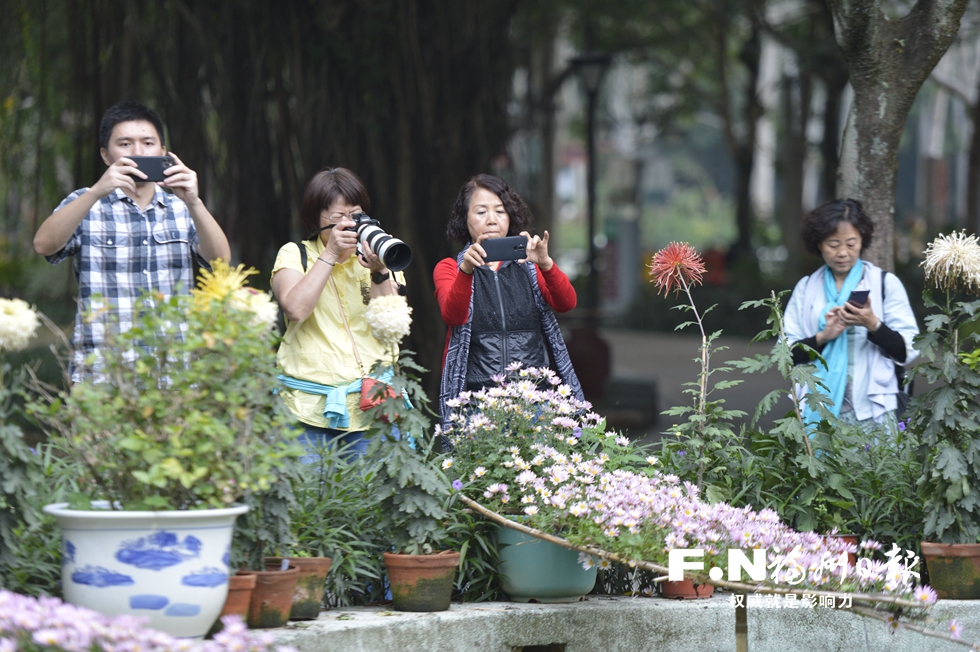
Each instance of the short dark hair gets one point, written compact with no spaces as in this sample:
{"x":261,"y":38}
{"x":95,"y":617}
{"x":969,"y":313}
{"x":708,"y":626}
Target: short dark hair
{"x":518,"y":212}
{"x":127,"y":112}
{"x":326,"y":187}
{"x":824,"y":220}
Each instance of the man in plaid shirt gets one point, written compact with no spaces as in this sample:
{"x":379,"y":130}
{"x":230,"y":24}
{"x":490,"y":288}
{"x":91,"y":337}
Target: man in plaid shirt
{"x":127,"y":235}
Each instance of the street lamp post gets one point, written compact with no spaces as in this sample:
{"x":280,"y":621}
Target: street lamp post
{"x":590,"y":68}
{"x":590,"y":355}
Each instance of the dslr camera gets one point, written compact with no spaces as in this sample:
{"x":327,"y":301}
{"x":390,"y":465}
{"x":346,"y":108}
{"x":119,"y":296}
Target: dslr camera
{"x":395,"y":254}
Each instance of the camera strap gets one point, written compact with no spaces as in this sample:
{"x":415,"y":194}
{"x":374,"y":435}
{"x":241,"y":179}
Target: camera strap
{"x":350,"y":335}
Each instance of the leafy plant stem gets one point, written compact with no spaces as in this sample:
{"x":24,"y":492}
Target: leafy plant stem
{"x":703,"y":377}
{"x":796,"y":399}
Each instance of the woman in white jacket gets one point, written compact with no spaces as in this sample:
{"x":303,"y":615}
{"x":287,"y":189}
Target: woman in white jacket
{"x":861,"y":339}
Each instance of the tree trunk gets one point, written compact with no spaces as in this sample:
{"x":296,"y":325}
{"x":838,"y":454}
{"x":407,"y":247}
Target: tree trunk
{"x":796,"y":106}
{"x":740,"y":141}
{"x":888,"y":60}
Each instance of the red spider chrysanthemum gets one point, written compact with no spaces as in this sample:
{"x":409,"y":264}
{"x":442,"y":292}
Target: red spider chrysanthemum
{"x":676,"y":261}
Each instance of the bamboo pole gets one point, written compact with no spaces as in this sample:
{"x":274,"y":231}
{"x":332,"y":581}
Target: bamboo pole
{"x":741,"y":613}
{"x":702,"y":579}
{"x":741,"y":625}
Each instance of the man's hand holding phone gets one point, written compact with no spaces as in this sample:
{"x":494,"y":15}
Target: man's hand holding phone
{"x":123,"y":174}
{"x":182,"y":180}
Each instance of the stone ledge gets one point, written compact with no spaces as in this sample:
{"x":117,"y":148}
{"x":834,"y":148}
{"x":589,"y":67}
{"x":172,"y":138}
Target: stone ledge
{"x":614,"y":624}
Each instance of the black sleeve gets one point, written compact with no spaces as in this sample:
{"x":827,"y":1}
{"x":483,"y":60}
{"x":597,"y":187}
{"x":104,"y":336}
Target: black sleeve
{"x":888,"y":341}
{"x":801,"y":355}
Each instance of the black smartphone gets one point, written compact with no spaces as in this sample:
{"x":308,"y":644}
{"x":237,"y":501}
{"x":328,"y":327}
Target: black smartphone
{"x":152,"y":166}
{"x":510,"y":248}
{"x":858,"y":297}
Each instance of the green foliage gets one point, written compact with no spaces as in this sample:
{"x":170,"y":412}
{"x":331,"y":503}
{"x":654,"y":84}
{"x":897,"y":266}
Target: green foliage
{"x":476,"y":579}
{"x":181,"y":414}
{"x":29,"y":479}
{"x":945,"y":420}
{"x":265,"y":530}
{"x":859,"y":480}
{"x":830,"y":475}
{"x":620,"y":579}
{"x":338,"y":515}
{"x":412,"y":491}
{"x":701,"y":218}
{"x":706,"y":443}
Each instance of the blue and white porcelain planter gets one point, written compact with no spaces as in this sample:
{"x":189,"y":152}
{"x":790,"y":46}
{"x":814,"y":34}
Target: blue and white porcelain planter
{"x":171,"y":566}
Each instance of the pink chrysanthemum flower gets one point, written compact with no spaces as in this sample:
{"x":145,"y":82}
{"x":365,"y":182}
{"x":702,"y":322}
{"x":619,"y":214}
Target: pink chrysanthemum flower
{"x":925,"y":595}
{"x":675,"y":266}
{"x":955,"y":629}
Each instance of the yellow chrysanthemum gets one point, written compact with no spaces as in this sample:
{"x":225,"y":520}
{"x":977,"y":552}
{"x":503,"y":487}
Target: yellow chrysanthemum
{"x":219,"y":283}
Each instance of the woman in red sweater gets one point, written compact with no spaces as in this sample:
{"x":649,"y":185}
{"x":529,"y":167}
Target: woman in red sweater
{"x":498,"y":313}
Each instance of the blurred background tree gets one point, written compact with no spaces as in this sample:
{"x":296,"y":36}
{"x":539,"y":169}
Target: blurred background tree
{"x":719,"y":122}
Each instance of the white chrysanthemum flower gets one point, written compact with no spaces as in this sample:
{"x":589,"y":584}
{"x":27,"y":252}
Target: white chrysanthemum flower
{"x":953,"y":261}
{"x":390,"y":319}
{"x":18,"y":324}
{"x":258,"y":303}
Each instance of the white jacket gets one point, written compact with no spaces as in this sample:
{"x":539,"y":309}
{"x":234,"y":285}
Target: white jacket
{"x":873,"y":384}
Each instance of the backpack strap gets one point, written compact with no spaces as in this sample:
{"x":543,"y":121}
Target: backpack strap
{"x":302,"y":254}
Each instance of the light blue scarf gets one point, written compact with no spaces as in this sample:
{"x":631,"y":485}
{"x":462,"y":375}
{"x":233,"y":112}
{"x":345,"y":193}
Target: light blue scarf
{"x":834,"y":373}
{"x":335,"y":407}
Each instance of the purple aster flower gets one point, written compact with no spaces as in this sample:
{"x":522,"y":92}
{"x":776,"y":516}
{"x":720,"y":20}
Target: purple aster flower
{"x":867,"y":447}
{"x":457,"y":484}
{"x":576,"y":432}
{"x":955,"y":629}
{"x":682,"y":453}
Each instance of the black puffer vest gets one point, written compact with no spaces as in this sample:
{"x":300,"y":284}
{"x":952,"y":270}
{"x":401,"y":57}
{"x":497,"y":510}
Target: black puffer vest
{"x":506,"y":324}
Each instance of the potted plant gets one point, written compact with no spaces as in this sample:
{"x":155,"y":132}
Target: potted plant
{"x":337,"y":518}
{"x":412,"y":492}
{"x":945,"y":417}
{"x":266,"y":530}
{"x":500,"y":436}
{"x":334,"y":515}
{"x":180,"y":419}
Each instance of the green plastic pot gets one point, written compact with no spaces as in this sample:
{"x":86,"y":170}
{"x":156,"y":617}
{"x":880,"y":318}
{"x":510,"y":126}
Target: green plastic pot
{"x":533,"y":570}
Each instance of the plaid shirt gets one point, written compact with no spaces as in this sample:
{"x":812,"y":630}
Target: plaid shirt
{"x":120,"y":252}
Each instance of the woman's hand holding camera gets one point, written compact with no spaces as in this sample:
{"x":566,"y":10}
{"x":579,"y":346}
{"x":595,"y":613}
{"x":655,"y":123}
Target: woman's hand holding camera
{"x":537,"y":251}
{"x":474,"y":256}
{"x":341,"y":243}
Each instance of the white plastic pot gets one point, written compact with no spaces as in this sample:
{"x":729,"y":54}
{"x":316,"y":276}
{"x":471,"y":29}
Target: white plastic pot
{"x":171,"y":566}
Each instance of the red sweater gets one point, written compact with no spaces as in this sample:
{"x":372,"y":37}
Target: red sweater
{"x":453,"y":290}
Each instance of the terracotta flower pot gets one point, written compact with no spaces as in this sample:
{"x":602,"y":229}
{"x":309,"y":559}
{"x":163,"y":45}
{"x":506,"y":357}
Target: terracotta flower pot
{"x":240,"y":589}
{"x":685,"y":590}
{"x":272,"y":597}
{"x":308,"y":596}
{"x":422,"y":582}
{"x":954,"y":569}
{"x":239,"y":595}
{"x":846,"y":538}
